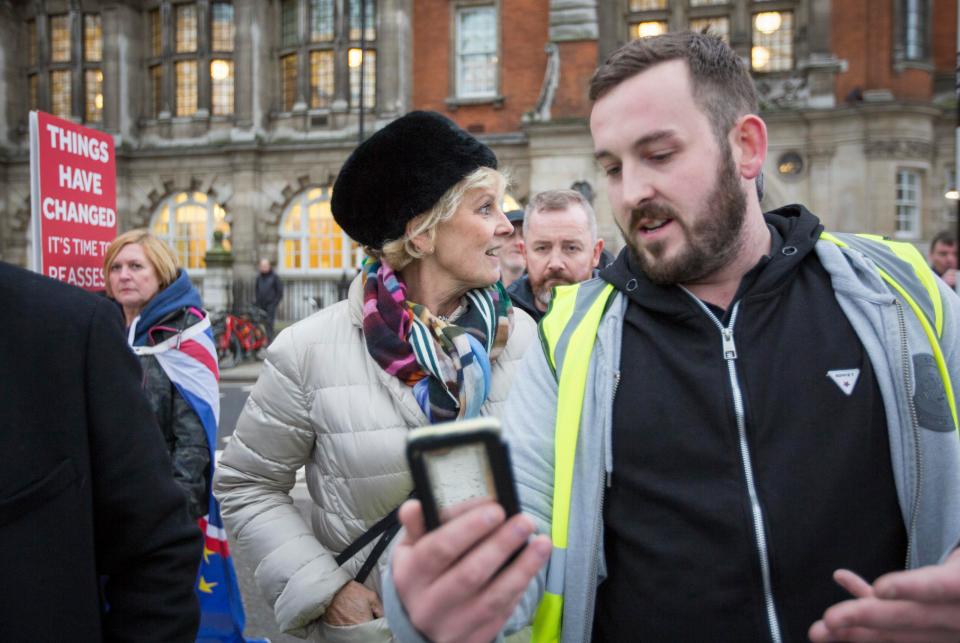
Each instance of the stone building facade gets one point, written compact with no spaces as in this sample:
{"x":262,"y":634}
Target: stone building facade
{"x":237,"y":114}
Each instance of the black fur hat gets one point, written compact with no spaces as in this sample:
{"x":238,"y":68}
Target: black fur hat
{"x":402,"y":171}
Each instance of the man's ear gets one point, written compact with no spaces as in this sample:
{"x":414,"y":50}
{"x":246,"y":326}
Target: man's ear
{"x":748,"y":143}
{"x":597,"y":250}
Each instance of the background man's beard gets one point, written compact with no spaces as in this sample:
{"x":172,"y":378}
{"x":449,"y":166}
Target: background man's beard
{"x":713,"y":238}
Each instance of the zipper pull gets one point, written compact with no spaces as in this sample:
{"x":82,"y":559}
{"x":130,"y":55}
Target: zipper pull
{"x":729,"y":347}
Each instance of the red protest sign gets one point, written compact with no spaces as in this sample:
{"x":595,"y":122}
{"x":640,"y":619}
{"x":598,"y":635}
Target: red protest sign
{"x":73,"y":196}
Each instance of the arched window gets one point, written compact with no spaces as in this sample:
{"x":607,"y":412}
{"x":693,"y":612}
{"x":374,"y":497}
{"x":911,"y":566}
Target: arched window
{"x":310,"y":240}
{"x":187,"y":221}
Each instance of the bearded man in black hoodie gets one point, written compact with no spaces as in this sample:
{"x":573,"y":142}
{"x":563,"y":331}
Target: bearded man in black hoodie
{"x":738,"y":411}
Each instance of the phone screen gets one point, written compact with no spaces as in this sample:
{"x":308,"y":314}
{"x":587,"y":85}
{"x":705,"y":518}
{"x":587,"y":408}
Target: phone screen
{"x":458,"y":476}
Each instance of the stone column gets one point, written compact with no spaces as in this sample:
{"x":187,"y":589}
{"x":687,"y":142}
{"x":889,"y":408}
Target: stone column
{"x":219,"y":277}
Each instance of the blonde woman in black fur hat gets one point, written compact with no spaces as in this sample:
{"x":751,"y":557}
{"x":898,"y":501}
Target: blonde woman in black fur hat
{"x":427,"y":334}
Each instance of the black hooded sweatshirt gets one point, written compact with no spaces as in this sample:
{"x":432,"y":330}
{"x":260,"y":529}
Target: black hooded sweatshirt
{"x":681,"y":542}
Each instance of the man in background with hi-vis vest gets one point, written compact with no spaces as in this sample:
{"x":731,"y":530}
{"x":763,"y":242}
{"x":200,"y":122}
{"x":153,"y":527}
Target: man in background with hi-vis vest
{"x":740,"y":432}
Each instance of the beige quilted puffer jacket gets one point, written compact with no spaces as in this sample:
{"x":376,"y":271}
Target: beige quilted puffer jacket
{"x":323,"y":402}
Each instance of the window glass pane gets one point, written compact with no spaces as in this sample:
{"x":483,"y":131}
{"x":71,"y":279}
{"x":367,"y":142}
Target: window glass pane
{"x":321,"y":20}
{"x":93,"y":86}
{"x":719,"y":26}
{"x":291,"y":223}
{"x":915,"y":29}
{"x":33,"y":50}
{"x":92,"y":37}
{"x":321,"y":78}
{"x":186,"y":27}
{"x":369,"y":19}
{"x":222,"y":27}
{"x":648,"y":28}
{"x":190,"y":231}
{"x":288,"y":23}
{"x":156,"y":89}
{"x":186,"y":77}
{"x":288,"y":81}
{"x":646,"y":5}
{"x":220,"y":224}
{"x":356,"y":58}
{"x":476,"y":51}
{"x":702,"y":3}
{"x":156,"y":33}
{"x":60,"y":38}
{"x":221,"y":85}
{"x":60,"y":93}
{"x":907,"y":218}
{"x":772,"y":41}
{"x":34,"y":84}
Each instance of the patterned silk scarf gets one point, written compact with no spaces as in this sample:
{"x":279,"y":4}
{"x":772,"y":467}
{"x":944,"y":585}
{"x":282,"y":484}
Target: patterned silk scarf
{"x":446,"y":363}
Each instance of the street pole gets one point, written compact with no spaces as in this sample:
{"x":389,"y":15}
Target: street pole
{"x":363,"y":56}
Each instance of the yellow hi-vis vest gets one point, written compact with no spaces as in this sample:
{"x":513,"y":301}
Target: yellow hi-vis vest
{"x":568,"y":333}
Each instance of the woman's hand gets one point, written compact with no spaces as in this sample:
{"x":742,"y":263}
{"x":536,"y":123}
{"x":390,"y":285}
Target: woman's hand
{"x":353,"y":604}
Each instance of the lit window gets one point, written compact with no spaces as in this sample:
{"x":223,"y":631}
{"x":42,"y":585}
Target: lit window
{"x":310,"y":240}
{"x":221,"y":79}
{"x":222,"y":29}
{"x":93,"y":86}
{"x":321,"y":20}
{"x":156,"y":89}
{"x":33,"y":51}
{"x":369,"y":19}
{"x":186,"y":77}
{"x":60,"y":93}
{"x":288,"y":81}
{"x":476,"y":39}
{"x":355,"y":58}
{"x":772,"y":41}
{"x":186,"y":39}
{"x":34,"y":83}
{"x":92,"y":38}
{"x":719,"y":26}
{"x":647,"y":5}
{"x":647,"y":29}
{"x":907,"y":220}
{"x":60,"y":38}
{"x":914,"y":29}
{"x":288,"y":23}
{"x":186,"y":221}
{"x":321,"y":79}
{"x":156,"y":33}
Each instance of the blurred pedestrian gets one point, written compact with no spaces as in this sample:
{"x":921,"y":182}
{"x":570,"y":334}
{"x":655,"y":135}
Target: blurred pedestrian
{"x":512,"y":262}
{"x":95,"y":541}
{"x":426,"y":334}
{"x":561,"y":247}
{"x":943,"y":257}
{"x":269,"y":292}
{"x":170,"y":332}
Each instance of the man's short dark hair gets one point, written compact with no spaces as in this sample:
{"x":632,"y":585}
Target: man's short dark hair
{"x":945,"y":237}
{"x":721,"y":84}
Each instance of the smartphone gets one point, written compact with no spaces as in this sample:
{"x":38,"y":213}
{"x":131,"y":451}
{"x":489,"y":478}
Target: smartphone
{"x":457,"y":464}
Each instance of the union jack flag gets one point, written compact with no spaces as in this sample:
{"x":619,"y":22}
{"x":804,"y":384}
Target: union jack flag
{"x":189,"y":359}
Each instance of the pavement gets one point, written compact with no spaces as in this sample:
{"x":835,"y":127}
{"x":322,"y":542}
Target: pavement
{"x":246,"y":371}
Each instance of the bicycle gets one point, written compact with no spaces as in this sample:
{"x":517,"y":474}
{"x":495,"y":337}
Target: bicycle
{"x":239,"y":336}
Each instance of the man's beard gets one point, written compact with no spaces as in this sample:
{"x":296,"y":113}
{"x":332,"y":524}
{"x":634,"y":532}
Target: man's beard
{"x":543,"y":294}
{"x":712,"y":237}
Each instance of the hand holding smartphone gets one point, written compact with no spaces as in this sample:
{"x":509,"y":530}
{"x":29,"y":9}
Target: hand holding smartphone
{"x":458,"y":464}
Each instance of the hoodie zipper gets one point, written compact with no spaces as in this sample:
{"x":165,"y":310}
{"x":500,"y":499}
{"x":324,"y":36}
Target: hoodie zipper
{"x":730,"y":355}
{"x":915,"y":427}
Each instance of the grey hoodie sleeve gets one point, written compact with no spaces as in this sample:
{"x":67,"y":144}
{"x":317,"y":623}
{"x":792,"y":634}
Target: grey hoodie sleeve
{"x":528,"y":421}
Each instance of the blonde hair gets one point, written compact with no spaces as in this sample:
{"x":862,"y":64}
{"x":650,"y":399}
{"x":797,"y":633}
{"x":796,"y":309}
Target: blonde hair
{"x":158,"y":253}
{"x":399,"y":253}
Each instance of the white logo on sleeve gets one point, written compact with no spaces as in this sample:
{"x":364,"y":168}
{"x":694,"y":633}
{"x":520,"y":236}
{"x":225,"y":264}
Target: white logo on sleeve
{"x":846,"y":379}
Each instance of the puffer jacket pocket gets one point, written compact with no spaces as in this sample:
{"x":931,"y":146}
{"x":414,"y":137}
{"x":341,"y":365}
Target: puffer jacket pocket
{"x":375,"y":631}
